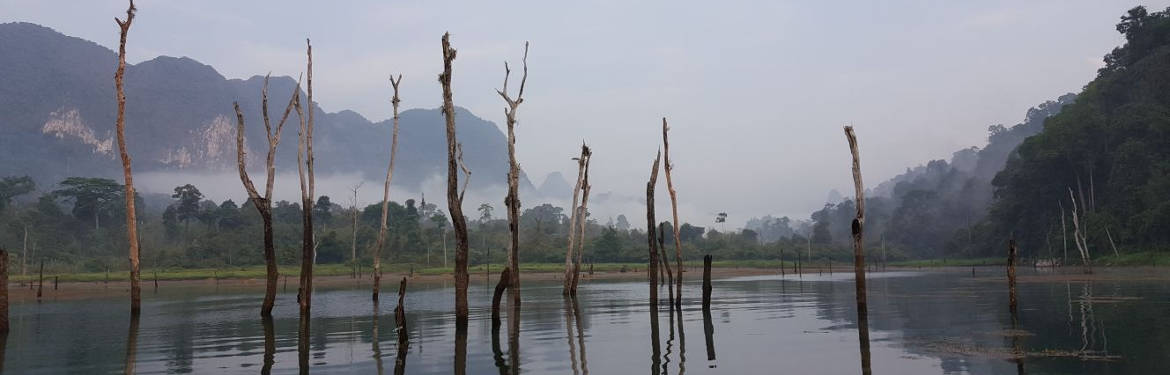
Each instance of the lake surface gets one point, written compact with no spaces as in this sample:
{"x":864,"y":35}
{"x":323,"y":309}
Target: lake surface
{"x":919,"y":322}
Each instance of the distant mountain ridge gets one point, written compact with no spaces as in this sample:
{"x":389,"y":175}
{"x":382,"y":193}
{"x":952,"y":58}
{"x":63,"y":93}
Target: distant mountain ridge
{"x":57,"y":109}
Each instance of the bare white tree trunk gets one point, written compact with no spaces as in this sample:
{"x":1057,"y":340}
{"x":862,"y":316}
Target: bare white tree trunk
{"x":386,"y":191}
{"x":1079,"y":235}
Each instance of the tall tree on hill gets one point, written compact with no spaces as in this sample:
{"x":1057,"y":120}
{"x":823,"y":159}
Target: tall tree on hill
{"x":120,"y":128}
{"x":188,"y":207}
{"x":263,"y":203}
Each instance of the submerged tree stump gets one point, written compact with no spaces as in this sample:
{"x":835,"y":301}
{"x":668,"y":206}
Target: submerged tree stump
{"x":400,"y":314}
{"x":3,"y":292}
{"x":41,"y":281}
{"x":707,"y":282}
{"x":497,"y":296}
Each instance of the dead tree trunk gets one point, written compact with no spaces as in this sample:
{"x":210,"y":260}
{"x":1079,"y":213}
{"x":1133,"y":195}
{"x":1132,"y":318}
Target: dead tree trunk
{"x":668,"y":166}
{"x":707,"y":282}
{"x":1011,"y":275}
{"x":353,"y":239}
{"x":454,"y":196}
{"x":708,"y":326}
{"x":652,"y":242}
{"x":3,"y":293}
{"x":1079,"y":237}
{"x":582,"y":219}
{"x":41,"y":281}
{"x":666,"y":263}
{"x":386,"y":192}
{"x":859,"y":254}
{"x":120,"y":128}
{"x":573,"y":220}
{"x":400,"y":312}
{"x":263,"y":203}
{"x":498,"y":295}
{"x":512,"y":200}
{"x":24,"y":252}
{"x":308,"y":187}
{"x":1111,"y":244}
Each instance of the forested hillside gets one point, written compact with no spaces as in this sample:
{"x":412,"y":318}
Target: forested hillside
{"x":1106,"y":156}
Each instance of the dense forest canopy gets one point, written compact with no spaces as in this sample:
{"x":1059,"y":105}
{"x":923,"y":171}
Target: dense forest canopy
{"x":1109,"y":151}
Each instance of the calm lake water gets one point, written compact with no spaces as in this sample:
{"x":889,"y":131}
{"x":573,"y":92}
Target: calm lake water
{"x":920,"y":323}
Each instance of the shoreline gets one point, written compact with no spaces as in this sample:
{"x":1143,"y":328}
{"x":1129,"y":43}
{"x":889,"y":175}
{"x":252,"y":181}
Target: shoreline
{"x":20,"y":292}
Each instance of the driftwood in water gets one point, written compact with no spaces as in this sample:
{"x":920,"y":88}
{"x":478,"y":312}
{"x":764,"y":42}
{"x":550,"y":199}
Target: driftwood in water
{"x":668,"y":167}
{"x":263,"y":203}
{"x":3,"y":293}
{"x":308,"y":188}
{"x":120,"y":130}
{"x":385,"y":193}
{"x":454,"y":196}
{"x":859,"y":254}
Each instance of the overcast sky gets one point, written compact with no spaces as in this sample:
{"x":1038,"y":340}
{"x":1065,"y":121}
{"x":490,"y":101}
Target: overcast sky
{"x":756,"y":92}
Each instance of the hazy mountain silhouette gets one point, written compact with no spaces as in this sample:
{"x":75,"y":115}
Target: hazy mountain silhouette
{"x":57,"y":120}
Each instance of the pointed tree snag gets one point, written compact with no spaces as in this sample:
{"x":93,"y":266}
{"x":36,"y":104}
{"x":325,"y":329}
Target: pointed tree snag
{"x":858,"y":253}
{"x":652,"y":240}
{"x":263,"y":203}
{"x":120,"y":128}
{"x":305,"y":172}
{"x":668,"y":166}
{"x":386,"y":191}
{"x":454,"y":196}
{"x":582,"y":218}
{"x":512,"y":200}
{"x":573,"y":220}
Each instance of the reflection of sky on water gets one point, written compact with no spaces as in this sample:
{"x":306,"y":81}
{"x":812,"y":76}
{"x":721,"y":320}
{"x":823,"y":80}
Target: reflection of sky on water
{"x":920,"y":323}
